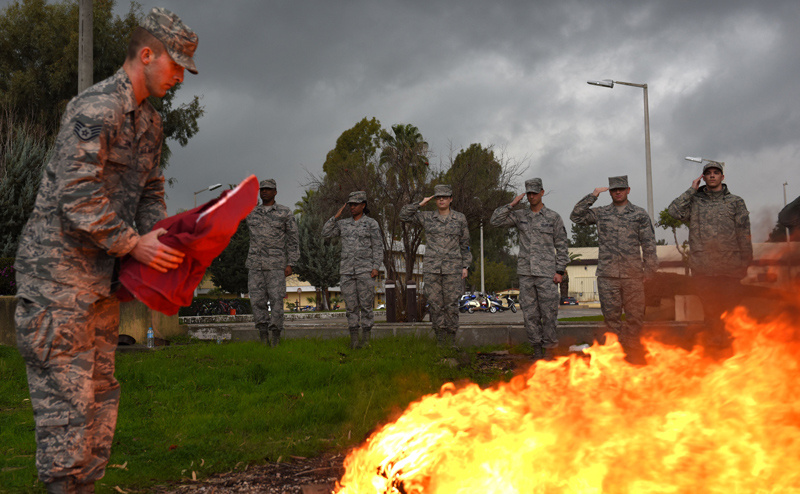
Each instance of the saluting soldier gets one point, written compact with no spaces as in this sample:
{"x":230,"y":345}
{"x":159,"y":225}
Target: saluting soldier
{"x":627,"y":256}
{"x":542,"y":259}
{"x":719,"y":244}
{"x":447,"y":258}
{"x":274,"y":250}
{"x":103,"y":178}
{"x":362,"y":256}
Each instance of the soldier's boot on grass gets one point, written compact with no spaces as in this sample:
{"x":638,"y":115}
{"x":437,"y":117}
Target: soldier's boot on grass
{"x":68,"y":485}
{"x":441,"y":340}
{"x":449,"y":339}
{"x":275,"y":338}
{"x":365,"y":337}
{"x":264,"y":337}
{"x":538,"y":351}
{"x":353,"y":338}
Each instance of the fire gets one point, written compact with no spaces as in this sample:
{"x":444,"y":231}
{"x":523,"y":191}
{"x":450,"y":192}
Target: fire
{"x":682,"y":424}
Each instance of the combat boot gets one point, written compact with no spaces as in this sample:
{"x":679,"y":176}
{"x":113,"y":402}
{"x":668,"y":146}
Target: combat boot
{"x":441,"y":338}
{"x":353,"y":338}
{"x":275,"y":338}
{"x":87,"y":488}
{"x":450,"y":340}
{"x":365,"y":337}
{"x":264,"y":337}
{"x":538,"y":351}
{"x":62,"y":486}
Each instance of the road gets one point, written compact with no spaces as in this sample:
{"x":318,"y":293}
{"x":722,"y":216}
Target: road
{"x":510,"y":317}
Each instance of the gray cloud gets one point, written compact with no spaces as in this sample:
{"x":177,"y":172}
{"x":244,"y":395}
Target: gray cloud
{"x":281,"y":80}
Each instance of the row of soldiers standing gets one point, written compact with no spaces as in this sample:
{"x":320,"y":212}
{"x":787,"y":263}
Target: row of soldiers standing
{"x":719,"y":241}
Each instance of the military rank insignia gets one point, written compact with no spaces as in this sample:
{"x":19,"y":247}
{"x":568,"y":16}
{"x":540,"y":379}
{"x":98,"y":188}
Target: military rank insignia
{"x":87,"y":132}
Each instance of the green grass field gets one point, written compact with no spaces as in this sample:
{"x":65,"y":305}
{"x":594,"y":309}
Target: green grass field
{"x":208,"y":408}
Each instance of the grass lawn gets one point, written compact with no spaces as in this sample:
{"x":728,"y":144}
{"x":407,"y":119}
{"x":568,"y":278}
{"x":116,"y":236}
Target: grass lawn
{"x":208,"y":408}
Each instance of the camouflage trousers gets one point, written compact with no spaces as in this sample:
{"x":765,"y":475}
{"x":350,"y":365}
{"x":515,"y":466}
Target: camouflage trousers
{"x":538,"y":299}
{"x":68,"y":338}
{"x":267,"y":285}
{"x":617,"y":294}
{"x":358,"y":291}
{"x":443,"y":292}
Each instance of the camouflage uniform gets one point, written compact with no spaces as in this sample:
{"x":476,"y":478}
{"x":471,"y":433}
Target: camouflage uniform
{"x":103,"y":177}
{"x":362,"y":251}
{"x":274,"y":244}
{"x":542,"y":253}
{"x":719,"y":248}
{"x":627,"y":255}
{"x":446,"y":255}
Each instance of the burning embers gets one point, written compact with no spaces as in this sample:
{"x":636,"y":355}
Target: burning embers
{"x":682,"y":424}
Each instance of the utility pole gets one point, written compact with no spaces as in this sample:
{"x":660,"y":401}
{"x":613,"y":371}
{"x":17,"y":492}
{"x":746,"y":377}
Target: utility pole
{"x":85,"y":52}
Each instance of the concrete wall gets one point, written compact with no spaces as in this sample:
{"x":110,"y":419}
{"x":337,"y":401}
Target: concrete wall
{"x":135,"y":318}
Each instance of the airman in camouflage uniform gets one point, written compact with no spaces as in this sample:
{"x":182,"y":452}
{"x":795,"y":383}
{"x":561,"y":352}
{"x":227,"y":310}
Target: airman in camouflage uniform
{"x":542,"y":259}
{"x":362,"y":256}
{"x":627,"y":256}
{"x":719,"y":243}
{"x":274,"y":249}
{"x":103,"y":178}
{"x":447,"y":258}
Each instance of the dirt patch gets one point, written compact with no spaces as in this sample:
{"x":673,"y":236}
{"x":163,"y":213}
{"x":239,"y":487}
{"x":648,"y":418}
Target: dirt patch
{"x":298,"y":476}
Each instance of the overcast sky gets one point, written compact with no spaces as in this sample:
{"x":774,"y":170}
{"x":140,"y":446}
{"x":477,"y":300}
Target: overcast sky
{"x":281,"y":80}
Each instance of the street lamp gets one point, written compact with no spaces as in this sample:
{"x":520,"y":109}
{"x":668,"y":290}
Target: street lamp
{"x":210,"y":187}
{"x":721,"y":164}
{"x":610,"y":84}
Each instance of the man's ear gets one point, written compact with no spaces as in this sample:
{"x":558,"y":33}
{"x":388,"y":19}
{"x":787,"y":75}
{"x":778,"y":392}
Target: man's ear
{"x":146,"y":55}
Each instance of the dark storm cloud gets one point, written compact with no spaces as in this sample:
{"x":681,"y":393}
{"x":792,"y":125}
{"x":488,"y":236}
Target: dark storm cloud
{"x":281,"y":80}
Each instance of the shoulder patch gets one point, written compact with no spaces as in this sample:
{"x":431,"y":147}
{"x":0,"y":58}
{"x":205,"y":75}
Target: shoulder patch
{"x":87,"y":132}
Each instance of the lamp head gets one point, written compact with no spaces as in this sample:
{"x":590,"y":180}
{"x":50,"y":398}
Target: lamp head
{"x":215,"y":186}
{"x":692,"y":158}
{"x":603,"y":83}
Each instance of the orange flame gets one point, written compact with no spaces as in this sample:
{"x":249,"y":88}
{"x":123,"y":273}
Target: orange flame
{"x":682,"y":424}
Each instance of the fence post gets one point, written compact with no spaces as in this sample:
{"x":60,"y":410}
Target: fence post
{"x":391,"y":301}
{"x":411,"y":301}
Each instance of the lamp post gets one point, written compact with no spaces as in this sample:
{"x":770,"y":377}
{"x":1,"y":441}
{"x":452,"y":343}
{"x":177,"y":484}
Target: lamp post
{"x":483,"y":289}
{"x":210,"y":187}
{"x":786,"y":229}
{"x":610,"y":84}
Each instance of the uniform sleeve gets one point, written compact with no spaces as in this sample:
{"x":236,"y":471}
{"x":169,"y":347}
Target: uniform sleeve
{"x":582,"y":213}
{"x":84,"y":207}
{"x":152,"y":207}
{"x":681,"y":207}
{"x":377,"y":245}
{"x":331,"y":228}
{"x":561,"y":244}
{"x":647,"y":239}
{"x":742,"y":220}
{"x":466,"y":255}
{"x":502,"y":217}
{"x":410,"y":213}
{"x":292,"y":241}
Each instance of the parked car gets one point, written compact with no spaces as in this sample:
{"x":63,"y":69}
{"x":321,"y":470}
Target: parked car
{"x":568,"y":301}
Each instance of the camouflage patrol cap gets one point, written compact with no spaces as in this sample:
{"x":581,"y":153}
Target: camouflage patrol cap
{"x":442,"y":191}
{"x":178,"y":38}
{"x":620,"y":182}
{"x":268,"y":183}
{"x":714,"y":164}
{"x":357,"y":197}
{"x":533,"y":185}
